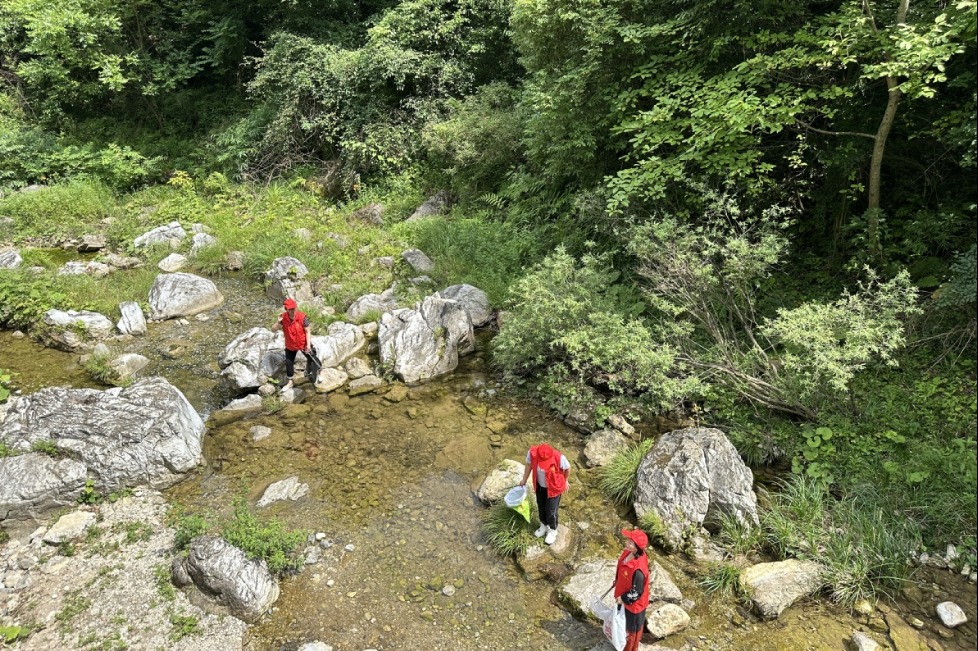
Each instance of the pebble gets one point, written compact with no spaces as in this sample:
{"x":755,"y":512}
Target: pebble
{"x":951,"y":614}
{"x":349,"y":548}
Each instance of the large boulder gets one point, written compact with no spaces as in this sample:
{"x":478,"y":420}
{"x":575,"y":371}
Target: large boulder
{"x":10,"y":259}
{"x":257,"y":355}
{"x":689,"y":478}
{"x":181,"y":294}
{"x":73,"y":330}
{"x":425,"y":342}
{"x":589,"y":581}
{"x":161,"y":235}
{"x":225,"y":579}
{"x":603,"y":446}
{"x":131,"y":320}
{"x":474,"y":300}
{"x":495,"y":486}
{"x":147,"y":433}
{"x":775,"y":586}
{"x":381,"y":303}
{"x":434,"y":205}
{"x":284,"y":279}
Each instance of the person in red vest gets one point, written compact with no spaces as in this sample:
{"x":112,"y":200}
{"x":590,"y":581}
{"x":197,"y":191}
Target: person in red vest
{"x":632,"y":584}
{"x":550,"y":470}
{"x":298,"y":337}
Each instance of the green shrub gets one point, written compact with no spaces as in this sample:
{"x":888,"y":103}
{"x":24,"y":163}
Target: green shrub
{"x":265,"y":539}
{"x":189,"y":527}
{"x":100,"y":369}
{"x":722,"y":579}
{"x":506,"y":531}
{"x":653,"y":525}
{"x":23,"y":296}
{"x":619,"y":478}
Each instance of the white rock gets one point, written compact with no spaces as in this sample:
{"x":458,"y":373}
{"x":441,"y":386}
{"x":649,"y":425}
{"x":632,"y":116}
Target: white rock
{"x":287,"y":489}
{"x":951,"y":614}
{"x":665,"y":619}
{"x":862,"y":642}
{"x":69,"y":526}
{"x":173,"y":262}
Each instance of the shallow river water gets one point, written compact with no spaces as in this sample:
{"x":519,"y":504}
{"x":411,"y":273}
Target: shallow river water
{"x":391,"y":478}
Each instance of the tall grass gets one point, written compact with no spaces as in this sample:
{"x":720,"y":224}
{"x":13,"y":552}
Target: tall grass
{"x":506,"y":531}
{"x":619,"y":478}
{"x":75,"y":207}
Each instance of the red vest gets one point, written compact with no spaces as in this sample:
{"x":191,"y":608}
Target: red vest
{"x":556,"y":482}
{"x":295,"y":332}
{"x":623,"y":580}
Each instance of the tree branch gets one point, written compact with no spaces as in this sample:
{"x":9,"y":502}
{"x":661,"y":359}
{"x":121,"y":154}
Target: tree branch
{"x":835,"y":133}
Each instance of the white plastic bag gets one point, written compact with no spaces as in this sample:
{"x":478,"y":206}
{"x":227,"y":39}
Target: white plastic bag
{"x":614,"y":623}
{"x":515,"y":496}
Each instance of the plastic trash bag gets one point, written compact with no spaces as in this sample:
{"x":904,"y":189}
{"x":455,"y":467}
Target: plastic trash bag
{"x":516,"y":500}
{"x":614,"y":623}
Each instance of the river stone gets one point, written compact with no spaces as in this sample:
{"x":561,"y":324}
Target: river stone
{"x":499,"y":482}
{"x":951,"y":614}
{"x":287,"y":489}
{"x":260,"y":432}
{"x":172,"y":263}
{"x":381,"y":303}
{"x":689,"y":478}
{"x":603,"y":446}
{"x":434,"y":205}
{"x":372,"y":213}
{"x":224,"y":576}
{"x":622,"y":425}
{"x":161,"y":235}
{"x":661,"y":586}
{"x":131,"y":321}
{"x":127,"y":364}
{"x":418,"y":261}
{"x":862,"y":642}
{"x":474,"y":300}
{"x":366,"y":384}
{"x":69,"y":526}
{"x":284,"y":279}
{"x":330,"y":379}
{"x":91,"y":242}
{"x":234,"y":260}
{"x":181,"y":294}
{"x":664,"y":619}
{"x":341,"y":342}
{"x":200,"y":242}
{"x":73,"y":331}
{"x":33,"y":483}
{"x":426,"y":342}
{"x":775,"y":586}
{"x":588,"y":583}
{"x":10,"y":259}
{"x":356,"y":368}
{"x":539,"y":556}
{"x":83,"y":268}
{"x":147,"y":433}
{"x":121,"y":261}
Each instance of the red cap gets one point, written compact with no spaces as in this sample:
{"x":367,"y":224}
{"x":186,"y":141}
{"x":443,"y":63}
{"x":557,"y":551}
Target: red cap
{"x":289,"y":303}
{"x":637,"y":536}
{"x":544,"y":452}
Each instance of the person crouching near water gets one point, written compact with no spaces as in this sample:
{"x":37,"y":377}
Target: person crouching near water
{"x":632,"y":584}
{"x":298,"y":337}
{"x":550,"y":470}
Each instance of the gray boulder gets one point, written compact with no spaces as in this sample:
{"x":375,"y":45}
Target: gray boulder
{"x":91,"y":242}
{"x":588,"y":583}
{"x":172,"y":263}
{"x":181,"y":294}
{"x":775,"y":586}
{"x":161,"y":235}
{"x":69,"y":526}
{"x":82,"y":268}
{"x":384,"y":302}
{"x":73,"y":330}
{"x":495,"y":486}
{"x":10,"y":259}
{"x":372,"y":213}
{"x":474,"y":300}
{"x":147,"y":433}
{"x":225,"y":579}
{"x":418,"y":261}
{"x":425,"y":342}
{"x":689,"y":478}
{"x":663,"y":620}
{"x":435,"y":205}
{"x":200,"y":242}
{"x":330,"y":379}
{"x":661,"y":586}
{"x":284,"y":279}
{"x":131,"y":321}
{"x":128,"y":363}
{"x":603,"y":446}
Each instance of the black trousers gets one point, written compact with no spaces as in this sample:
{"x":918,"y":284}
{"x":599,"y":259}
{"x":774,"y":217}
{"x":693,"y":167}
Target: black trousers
{"x":547,"y":507}
{"x":290,"y":362}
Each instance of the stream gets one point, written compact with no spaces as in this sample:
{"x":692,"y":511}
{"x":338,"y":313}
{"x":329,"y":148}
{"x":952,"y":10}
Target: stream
{"x":391,"y":477}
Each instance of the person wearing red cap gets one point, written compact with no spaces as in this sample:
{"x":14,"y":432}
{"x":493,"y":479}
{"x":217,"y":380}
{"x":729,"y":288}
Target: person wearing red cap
{"x":298,"y":337}
{"x":632,"y":584}
{"x":550,"y":470}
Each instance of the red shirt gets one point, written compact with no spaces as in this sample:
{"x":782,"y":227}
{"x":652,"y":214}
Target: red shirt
{"x":294,"y":330}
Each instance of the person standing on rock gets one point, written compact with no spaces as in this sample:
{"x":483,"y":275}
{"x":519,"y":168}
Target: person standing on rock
{"x":632,"y":584}
{"x":298,"y":337}
{"x":550,"y":470}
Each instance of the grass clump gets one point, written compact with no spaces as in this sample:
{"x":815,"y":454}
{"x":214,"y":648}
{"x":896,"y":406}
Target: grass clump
{"x":506,"y":531}
{"x":722,"y":579}
{"x":263,"y":539}
{"x":164,"y":582}
{"x":652,"y":524}
{"x":183,"y":625}
{"x":47,"y":447}
{"x":738,"y":536}
{"x":100,"y":369}
{"x":75,"y":604}
{"x":620,"y":477}
{"x":189,"y":527}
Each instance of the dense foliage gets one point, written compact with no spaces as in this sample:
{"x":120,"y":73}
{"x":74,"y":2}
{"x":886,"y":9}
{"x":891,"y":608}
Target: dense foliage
{"x":768,"y":221}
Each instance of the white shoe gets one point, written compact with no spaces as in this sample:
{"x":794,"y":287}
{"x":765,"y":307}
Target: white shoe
{"x":539,"y":533}
{"x":551,"y":536}
{"x":285,"y":387}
